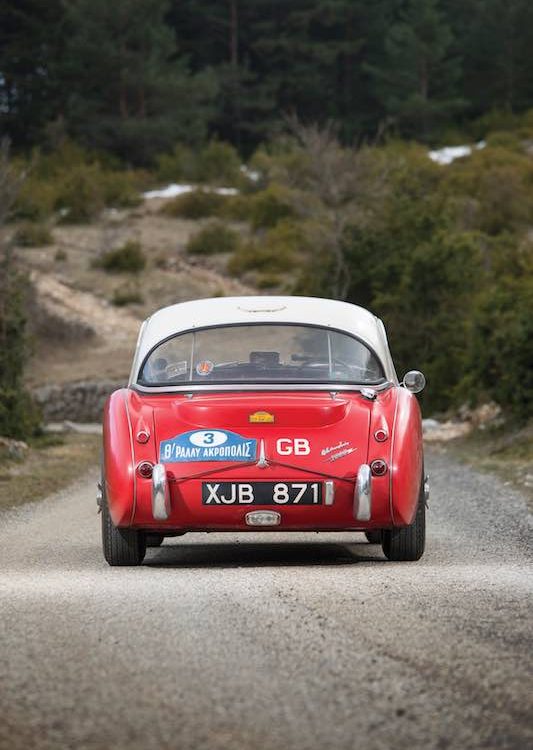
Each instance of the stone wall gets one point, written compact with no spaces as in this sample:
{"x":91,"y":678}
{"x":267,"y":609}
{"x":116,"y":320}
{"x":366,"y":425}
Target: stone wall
{"x":82,"y":401}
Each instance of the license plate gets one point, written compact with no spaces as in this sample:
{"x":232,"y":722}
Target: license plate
{"x":262,"y":493}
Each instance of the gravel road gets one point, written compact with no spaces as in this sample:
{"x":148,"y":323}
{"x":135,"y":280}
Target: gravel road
{"x":270,"y":641}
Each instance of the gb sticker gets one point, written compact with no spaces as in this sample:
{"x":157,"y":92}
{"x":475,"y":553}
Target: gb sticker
{"x":293,"y":446}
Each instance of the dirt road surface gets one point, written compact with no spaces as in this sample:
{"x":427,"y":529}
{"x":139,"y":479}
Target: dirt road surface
{"x":270,"y":641}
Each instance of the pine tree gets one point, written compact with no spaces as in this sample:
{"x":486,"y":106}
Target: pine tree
{"x":416,"y":79}
{"x":130,"y":91}
{"x":496,"y":42}
{"x":31,"y":43}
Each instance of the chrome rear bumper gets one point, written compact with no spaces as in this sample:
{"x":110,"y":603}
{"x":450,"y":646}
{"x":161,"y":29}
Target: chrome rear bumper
{"x":362,"y":498}
{"x":160,"y":493}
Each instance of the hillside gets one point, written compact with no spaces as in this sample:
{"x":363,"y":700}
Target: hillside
{"x":78,"y":333}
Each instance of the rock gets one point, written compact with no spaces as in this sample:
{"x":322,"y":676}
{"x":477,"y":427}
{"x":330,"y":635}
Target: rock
{"x":15,"y":449}
{"x":88,"y":428}
{"x":444,"y":431}
{"x":78,"y":402}
{"x":487,"y":415}
{"x":430,"y":424}
{"x":82,"y":428}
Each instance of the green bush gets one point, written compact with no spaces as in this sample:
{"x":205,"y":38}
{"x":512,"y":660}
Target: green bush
{"x":500,"y":355}
{"x":276,"y":252}
{"x":201,"y":203}
{"x":120,"y":190}
{"x":197,"y":204}
{"x":127,"y":294}
{"x":270,"y":206}
{"x":215,"y":237}
{"x":219,"y":164}
{"x":178,"y":165}
{"x":504,"y":139}
{"x":80,"y":195}
{"x":268,"y":281}
{"x":19,"y":416}
{"x":236,"y":207}
{"x":216,"y":164}
{"x":500,"y":181}
{"x":126,"y":259}
{"x":33,"y":235}
{"x":74,"y":183}
{"x":36,"y":200}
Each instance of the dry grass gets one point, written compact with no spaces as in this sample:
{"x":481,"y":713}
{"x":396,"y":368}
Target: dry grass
{"x":84,"y":291}
{"x":53,"y":462}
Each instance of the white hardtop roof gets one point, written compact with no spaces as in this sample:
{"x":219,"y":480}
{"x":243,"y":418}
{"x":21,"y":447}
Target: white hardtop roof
{"x":205,"y":313}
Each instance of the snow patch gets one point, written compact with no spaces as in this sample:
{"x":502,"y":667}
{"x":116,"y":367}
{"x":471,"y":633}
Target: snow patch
{"x":175,"y":189}
{"x":251,"y":174}
{"x":447,"y":154}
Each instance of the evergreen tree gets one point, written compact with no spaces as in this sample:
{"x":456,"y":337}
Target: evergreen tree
{"x":18,"y":415}
{"x":496,"y":42}
{"x":130,"y":91}
{"x":416,"y":78}
{"x":31,"y":45}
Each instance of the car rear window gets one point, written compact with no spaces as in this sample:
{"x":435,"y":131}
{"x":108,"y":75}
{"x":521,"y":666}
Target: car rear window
{"x":261,"y":353}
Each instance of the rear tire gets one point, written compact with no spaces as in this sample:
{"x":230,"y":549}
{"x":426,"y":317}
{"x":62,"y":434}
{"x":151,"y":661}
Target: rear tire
{"x":374,"y":537}
{"x":407,"y":544}
{"x":121,"y":546}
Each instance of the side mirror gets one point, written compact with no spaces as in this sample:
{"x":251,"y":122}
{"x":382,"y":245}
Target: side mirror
{"x":414,"y":381}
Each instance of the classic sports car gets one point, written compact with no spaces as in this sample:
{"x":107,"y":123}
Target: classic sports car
{"x":263,"y":413}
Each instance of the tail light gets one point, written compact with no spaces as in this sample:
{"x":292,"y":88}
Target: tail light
{"x":378,"y":467}
{"x":144,"y":469}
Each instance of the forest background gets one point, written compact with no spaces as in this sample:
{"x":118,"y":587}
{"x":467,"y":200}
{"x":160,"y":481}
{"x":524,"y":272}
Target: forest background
{"x":333,"y":106}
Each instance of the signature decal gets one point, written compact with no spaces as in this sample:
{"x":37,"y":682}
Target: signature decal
{"x":341,"y":454}
{"x":334,"y":452}
{"x":207,"y":445}
{"x":332,"y":448}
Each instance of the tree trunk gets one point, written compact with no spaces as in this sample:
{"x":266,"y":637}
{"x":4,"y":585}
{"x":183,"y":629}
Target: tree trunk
{"x":234,"y":33}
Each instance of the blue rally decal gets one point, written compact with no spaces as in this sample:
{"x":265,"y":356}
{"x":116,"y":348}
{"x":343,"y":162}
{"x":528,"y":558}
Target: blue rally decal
{"x":207,"y":445}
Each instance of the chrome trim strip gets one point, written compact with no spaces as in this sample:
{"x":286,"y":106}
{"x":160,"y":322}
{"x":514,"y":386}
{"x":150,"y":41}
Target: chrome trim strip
{"x":362,"y":498}
{"x":391,"y":456}
{"x":160,"y":493}
{"x":262,"y":462}
{"x":256,"y":387}
{"x":130,"y":430}
{"x":329,"y":492}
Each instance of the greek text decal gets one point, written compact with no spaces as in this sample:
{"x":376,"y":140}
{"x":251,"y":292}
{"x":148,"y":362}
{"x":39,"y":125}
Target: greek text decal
{"x":207,"y":445}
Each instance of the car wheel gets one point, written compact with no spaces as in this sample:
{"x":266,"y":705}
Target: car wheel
{"x":121,"y":546}
{"x":407,"y":544}
{"x":154,"y":540}
{"x":374,"y":537}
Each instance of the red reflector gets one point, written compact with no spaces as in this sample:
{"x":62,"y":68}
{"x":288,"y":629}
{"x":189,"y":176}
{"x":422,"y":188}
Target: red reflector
{"x":379,"y":467}
{"x":381,"y":435}
{"x":145,"y":469}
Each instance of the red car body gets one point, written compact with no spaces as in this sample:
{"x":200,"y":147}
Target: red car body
{"x":356,"y":451}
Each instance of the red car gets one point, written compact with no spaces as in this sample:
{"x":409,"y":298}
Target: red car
{"x":263,"y":414}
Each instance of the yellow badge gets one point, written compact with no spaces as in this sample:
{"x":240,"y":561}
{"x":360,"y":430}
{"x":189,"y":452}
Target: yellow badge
{"x":262,"y":417}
